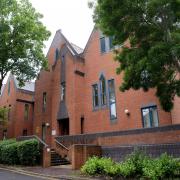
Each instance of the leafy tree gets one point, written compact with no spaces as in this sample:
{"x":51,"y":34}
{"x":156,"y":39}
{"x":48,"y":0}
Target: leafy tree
{"x":152,"y":28}
{"x":21,"y":40}
{"x":3,"y":118}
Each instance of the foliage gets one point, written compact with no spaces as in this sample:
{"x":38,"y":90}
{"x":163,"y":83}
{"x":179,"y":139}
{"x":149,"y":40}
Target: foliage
{"x":3,"y":117}
{"x":23,"y":152}
{"x":137,"y":165}
{"x":9,"y":154}
{"x":28,"y":152}
{"x":21,"y":43}
{"x":152,"y":57}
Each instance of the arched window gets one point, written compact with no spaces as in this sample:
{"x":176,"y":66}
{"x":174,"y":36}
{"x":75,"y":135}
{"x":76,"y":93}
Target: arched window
{"x":103,"y":90}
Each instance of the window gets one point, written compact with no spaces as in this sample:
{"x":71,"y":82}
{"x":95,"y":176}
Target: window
{"x":25,"y":132}
{"x":56,"y":55}
{"x":150,"y":116}
{"x":63,"y":91}
{"x":95,"y":95}
{"x":112,"y":99}
{"x":44,"y":101}
{"x":111,"y":42}
{"x":103,"y":44}
{"x":9,"y":87}
{"x":26,"y":111}
{"x":103,"y":90}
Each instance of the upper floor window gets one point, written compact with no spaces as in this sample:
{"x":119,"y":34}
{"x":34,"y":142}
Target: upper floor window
{"x":103,"y":90}
{"x":9,"y":87}
{"x":103,"y":44}
{"x":112,"y":99}
{"x":26,"y":111}
{"x":63,"y":91}
{"x":44,"y":101}
{"x":95,"y":95}
{"x":150,"y":116}
{"x":56,"y":54}
{"x":106,"y":44}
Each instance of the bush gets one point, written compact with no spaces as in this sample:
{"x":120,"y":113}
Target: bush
{"x":9,"y":154}
{"x":28,"y":152}
{"x":163,"y":167}
{"x":4,"y":143}
{"x":137,"y":165}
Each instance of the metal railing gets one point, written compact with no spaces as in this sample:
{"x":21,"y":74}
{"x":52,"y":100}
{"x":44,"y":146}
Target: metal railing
{"x":61,"y":145}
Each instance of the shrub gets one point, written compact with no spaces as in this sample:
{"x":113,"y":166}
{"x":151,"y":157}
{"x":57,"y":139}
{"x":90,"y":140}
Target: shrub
{"x":4,"y":143}
{"x":28,"y":152}
{"x":163,"y":167}
{"x":9,"y":154}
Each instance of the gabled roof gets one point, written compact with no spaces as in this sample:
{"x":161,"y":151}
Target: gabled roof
{"x":60,"y":38}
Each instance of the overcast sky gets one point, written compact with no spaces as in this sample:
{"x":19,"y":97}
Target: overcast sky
{"x":73,"y":17}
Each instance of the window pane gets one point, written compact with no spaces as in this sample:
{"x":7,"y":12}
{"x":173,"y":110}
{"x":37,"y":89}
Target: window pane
{"x":111,"y":42}
{"x":150,"y":117}
{"x":26,"y":112}
{"x":154,"y":117}
{"x":146,"y":118}
{"x":95,"y":95}
{"x":113,"y":111}
{"x":44,"y":101}
{"x":103,"y":46}
{"x":103,"y":90}
{"x":63,"y":91}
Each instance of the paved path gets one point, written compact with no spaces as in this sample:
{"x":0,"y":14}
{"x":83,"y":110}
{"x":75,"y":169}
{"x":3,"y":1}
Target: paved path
{"x":11,"y":175}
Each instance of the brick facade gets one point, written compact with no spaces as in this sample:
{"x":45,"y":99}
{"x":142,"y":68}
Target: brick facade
{"x":16,"y":100}
{"x":80,"y":71}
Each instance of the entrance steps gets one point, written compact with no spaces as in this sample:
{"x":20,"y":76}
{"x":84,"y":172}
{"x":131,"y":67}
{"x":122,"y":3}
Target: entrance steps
{"x":57,"y":160}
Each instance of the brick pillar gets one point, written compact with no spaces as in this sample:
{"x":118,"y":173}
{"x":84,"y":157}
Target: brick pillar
{"x":81,"y":152}
{"x":46,"y":157}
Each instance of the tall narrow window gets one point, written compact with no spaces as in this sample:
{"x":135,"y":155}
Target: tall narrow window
{"x":26,"y":112}
{"x":44,"y":101}
{"x":112,"y":99}
{"x":95,"y":95}
{"x":9,"y":87}
{"x":111,"y":42}
{"x":103,"y":90}
{"x":150,"y":116}
{"x":63,"y":91}
{"x":56,"y":55}
{"x":103,"y":44}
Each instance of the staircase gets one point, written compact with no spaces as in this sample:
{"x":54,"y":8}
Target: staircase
{"x":57,"y":160}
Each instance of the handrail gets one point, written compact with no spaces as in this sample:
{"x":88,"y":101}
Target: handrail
{"x":61,"y":145}
{"x":34,"y":136}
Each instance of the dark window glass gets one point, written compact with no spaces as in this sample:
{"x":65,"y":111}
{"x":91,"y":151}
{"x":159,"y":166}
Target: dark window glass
{"x":112,"y":99}
{"x":44,"y":101}
{"x":95,"y":95}
{"x":63,"y":91}
{"x":111,"y":42}
{"x":103,"y":91}
{"x":56,"y":55}
{"x":26,"y":111}
{"x":25,"y":132}
{"x":103,"y":44}
{"x":150,"y":117}
{"x":9,"y":87}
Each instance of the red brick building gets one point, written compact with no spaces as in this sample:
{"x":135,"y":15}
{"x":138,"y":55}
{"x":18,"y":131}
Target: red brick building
{"x":20,"y":104}
{"x":80,"y":93}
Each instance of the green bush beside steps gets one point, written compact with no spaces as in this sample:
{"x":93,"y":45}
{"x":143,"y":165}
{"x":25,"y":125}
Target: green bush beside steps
{"x":19,"y":153}
{"x":136,"y":166}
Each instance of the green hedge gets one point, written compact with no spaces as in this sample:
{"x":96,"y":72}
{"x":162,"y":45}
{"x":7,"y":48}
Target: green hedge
{"x":22,"y":153}
{"x":136,"y":166}
{"x":28,"y":152}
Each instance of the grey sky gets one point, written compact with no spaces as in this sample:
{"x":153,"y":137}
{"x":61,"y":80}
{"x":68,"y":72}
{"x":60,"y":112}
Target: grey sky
{"x":73,"y":17}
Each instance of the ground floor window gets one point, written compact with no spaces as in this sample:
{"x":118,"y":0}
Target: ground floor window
{"x":150,"y":116}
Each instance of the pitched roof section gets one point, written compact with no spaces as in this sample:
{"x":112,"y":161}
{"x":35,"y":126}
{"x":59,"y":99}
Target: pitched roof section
{"x":28,"y":86}
{"x":60,"y":39}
